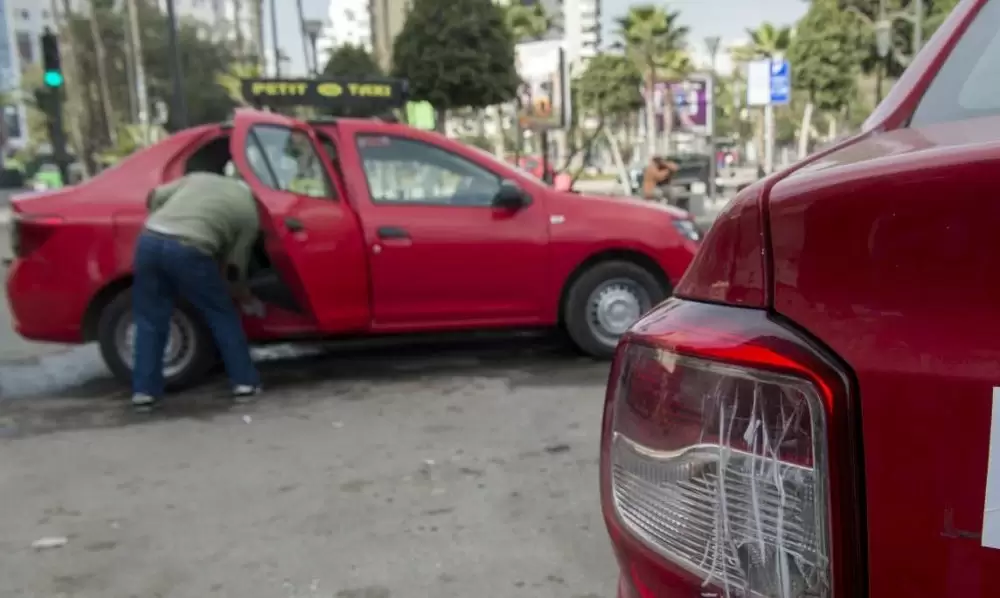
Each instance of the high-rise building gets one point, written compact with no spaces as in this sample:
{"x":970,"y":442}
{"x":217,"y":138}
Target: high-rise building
{"x":581,"y":21}
{"x":20,"y":47}
{"x":348,"y":22}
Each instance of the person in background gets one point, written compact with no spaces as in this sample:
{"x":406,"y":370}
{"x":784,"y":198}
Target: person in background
{"x":198,"y":227}
{"x":656,"y":178}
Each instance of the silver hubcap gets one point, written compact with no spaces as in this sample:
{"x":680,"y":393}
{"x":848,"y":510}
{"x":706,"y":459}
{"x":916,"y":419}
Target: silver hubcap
{"x":178,"y":353}
{"x":613,"y":307}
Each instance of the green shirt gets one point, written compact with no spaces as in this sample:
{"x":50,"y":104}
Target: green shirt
{"x":214,"y":212}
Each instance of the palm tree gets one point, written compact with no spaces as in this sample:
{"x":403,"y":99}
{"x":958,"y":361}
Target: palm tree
{"x":655,"y":40}
{"x":237,"y":25}
{"x":97,"y":39}
{"x":73,"y":106}
{"x":257,"y":30}
{"x":766,"y":41}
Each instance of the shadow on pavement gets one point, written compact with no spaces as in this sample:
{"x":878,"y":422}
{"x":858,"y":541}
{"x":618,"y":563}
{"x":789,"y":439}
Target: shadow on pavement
{"x":73,"y":390}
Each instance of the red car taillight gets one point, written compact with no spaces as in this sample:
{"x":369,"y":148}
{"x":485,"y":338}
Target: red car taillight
{"x":30,"y":231}
{"x":718,"y":474}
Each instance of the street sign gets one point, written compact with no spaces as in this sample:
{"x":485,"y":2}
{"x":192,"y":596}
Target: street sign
{"x":769,"y":82}
{"x":781,"y":82}
{"x":365,"y":91}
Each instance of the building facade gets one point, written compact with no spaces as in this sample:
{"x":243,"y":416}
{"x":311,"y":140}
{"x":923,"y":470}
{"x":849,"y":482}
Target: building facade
{"x":20,"y":48}
{"x":576,"y":22}
{"x":348,"y":22}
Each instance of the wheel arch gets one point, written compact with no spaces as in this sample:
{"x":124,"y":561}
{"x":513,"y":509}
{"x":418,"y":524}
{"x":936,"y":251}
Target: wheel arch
{"x":101,"y":299}
{"x":633,"y":256}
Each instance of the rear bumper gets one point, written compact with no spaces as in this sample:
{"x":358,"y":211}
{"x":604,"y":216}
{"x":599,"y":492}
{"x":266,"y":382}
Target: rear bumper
{"x":43,"y":307}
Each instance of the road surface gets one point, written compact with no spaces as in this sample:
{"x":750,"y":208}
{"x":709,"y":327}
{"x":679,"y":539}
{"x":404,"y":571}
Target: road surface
{"x":443,"y":470}
{"x":446,"y":470}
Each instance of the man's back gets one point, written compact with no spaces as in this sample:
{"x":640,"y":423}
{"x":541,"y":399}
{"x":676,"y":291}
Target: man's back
{"x":216,"y":212}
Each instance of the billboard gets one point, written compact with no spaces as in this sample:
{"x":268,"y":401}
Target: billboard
{"x":543,"y":100}
{"x":689,"y":100}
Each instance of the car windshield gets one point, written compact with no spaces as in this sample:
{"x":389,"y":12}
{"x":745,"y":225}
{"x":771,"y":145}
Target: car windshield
{"x":497,"y":161}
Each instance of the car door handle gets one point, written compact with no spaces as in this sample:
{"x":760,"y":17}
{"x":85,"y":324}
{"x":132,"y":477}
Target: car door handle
{"x":392,"y":232}
{"x":294,"y":225}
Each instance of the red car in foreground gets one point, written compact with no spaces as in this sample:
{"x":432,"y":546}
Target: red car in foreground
{"x":817,"y":411}
{"x":369,"y":228}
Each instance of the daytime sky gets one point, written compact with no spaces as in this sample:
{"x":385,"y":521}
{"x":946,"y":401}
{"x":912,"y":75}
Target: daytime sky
{"x":728,"y":19}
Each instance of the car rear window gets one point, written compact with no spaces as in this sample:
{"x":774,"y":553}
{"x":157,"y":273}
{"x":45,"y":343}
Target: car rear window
{"x":968,"y":84}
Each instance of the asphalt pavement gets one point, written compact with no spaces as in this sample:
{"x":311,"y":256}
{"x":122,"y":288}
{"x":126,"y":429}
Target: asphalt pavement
{"x":444,"y":469}
{"x":447,"y":469}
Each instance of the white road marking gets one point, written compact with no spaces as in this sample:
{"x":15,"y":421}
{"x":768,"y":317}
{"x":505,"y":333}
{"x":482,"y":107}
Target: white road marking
{"x":991,"y":509}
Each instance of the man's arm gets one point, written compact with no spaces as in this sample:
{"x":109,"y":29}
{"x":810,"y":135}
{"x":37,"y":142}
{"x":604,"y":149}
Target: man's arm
{"x":159,"y":195}
{"x":238,"y":261}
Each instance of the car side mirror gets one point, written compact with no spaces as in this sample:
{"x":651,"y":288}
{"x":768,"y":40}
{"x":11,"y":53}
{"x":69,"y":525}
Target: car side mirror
{"x":510,"y":197}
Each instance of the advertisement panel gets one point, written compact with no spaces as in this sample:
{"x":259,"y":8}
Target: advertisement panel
{"x":543,"y":100}
{"x":688,"y":99}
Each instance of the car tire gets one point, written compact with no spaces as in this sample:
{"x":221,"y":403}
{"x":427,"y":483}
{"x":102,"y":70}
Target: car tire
{"x":189,"y":363}
{"x":605,"y":301}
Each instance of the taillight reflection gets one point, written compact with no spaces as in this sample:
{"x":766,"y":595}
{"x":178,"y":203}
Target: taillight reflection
{"x":722,"y":470}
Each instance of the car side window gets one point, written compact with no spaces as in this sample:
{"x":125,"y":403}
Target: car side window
{"x":405,"y":171}
{"x":285,"y":159}
{"x":968,"y":83}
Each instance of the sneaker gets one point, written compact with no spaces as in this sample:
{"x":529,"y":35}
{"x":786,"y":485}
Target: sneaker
{"x":245,"y":393}
{"x":143,"y":403}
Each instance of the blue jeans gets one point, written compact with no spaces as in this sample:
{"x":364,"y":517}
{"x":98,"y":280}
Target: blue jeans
{"x":166,"y":269}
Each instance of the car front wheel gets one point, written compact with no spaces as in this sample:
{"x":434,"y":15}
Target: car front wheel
{"x":187,"y":358}
{"x":605,"y":301}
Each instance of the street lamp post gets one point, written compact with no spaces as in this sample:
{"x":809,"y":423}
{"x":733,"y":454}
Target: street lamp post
{"x":713,"y":51}
{"x":178,"y":111}
{"x":882,"y":26}
{"x":313,"y":27}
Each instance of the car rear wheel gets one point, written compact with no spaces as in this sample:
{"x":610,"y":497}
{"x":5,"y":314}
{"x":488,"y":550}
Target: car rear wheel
{"x":605,"y":301}
{"x":187,"y":359}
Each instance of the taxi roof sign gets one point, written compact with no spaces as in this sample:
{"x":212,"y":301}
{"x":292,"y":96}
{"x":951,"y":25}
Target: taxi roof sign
{"x":341,"y":91}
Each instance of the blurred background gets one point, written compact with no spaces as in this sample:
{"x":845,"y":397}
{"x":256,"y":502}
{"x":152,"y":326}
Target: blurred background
{"x":671,"y":78}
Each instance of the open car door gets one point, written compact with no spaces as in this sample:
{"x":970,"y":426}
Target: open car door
{"x":311,"y":237}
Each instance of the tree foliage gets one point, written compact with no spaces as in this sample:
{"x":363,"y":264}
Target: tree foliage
{"x":355,"y":62}
{"x":456,"y":54}
{"x":826,"y":53}
{"x":766,"y":41}
{"x":652,"y":37}
{"x":351,"y":61}
{"x":934,"y":11}
{"x":527,"y":22}
{"x":202,"y":59}
{"x":609,"y":86}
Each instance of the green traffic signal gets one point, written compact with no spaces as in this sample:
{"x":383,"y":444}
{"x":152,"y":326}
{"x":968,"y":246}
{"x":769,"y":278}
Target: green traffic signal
{"x":53,"y":79}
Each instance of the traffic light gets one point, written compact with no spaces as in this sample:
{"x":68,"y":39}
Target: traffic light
{"x":50,"y":60}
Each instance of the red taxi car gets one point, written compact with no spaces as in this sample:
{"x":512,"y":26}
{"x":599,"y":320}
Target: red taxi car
{"x":369,"y":228}
{"x":817,"y":411}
